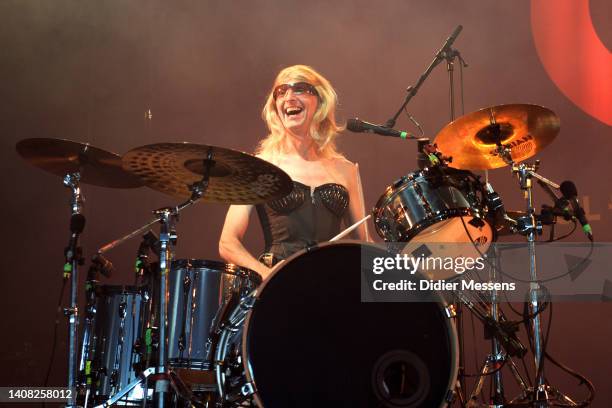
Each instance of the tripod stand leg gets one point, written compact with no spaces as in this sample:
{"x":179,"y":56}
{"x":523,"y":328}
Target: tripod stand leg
{"x":473,"y":400}
{"x":519,"y":379}
{"x":127,"y":389}
{"x":559,"y":396}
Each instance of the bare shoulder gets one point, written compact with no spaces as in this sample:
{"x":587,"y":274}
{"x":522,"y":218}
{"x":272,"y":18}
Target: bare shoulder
{"x":345,"y":169}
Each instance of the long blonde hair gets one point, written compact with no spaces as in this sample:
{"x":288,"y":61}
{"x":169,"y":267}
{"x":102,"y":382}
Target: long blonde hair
{"x":324,"y":129}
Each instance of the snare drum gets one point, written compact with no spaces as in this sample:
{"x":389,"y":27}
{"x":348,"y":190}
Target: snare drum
{"x":435,"y":206}
{"x":305,"y":339}
{"x":199,"y":292}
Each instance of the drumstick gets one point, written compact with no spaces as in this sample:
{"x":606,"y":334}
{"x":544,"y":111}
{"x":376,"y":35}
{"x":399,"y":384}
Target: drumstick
{"x":351,"y":228}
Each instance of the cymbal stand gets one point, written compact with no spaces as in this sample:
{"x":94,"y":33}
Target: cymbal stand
{"x":498,"y":357}
{"x":167,"y":216}
{"x":73,"y":260}
{"x":167,"y":238}
{"x":542,"y":393}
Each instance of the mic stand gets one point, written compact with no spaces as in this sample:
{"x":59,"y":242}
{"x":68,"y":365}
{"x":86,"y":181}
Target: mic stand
{"x":449,"y":54}
{"x":413,"y":89}
{"x":87,"y":346}
{"x":73,"y":260}
{"x":445,"y":53}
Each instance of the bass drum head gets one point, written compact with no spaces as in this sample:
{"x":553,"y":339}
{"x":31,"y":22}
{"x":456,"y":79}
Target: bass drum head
{"x":309,"y":341}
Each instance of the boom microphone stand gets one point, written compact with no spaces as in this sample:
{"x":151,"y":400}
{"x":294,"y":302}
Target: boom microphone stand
{"x":449,"y":54}
{"x":444,"y":53}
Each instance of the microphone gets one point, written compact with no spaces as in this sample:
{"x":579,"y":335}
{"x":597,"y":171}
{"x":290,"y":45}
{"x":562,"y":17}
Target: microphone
{"x":77,"y":223}
{"x":570,"y":193}
{"x":360,"y":126}
{"x":105,"y":266}
{"x":560,"y":207}
{"x":453,"y":36}
{"x":449,"y":41}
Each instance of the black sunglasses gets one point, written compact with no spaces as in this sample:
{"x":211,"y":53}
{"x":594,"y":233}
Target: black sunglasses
{"x":297,"y":88}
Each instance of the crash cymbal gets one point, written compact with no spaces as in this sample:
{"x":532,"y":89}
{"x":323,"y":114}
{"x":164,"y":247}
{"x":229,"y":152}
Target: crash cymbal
{"x":235,"y":177}
{"x":471,"y":140}
{"x":62,"y":157}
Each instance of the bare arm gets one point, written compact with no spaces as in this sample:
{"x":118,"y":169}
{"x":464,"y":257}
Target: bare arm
{"x":230,"y":243}
{"x":356,"y":203}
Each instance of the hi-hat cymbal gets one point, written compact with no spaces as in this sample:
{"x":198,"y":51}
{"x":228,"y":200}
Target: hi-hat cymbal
{"x":235,"y":177}
{"x":471,"y":140}
{"x":62,"y":157}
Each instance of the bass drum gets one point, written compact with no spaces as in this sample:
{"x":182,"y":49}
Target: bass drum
{"x":305,"y":339}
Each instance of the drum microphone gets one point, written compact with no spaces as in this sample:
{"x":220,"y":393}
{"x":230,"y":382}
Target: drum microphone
{"x":570,"y":193}
{"x":105,"y":267}
{"x":450,"y":40}
{"x":77,"y":223}
{"x":560,"y":207}
{"x":360,"y":126}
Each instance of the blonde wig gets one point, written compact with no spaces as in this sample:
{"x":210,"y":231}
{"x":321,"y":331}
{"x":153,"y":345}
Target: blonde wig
{"x":324,"y":129}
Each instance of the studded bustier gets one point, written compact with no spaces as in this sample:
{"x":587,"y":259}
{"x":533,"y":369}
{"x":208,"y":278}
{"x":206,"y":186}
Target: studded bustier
{"x":302,"y":218}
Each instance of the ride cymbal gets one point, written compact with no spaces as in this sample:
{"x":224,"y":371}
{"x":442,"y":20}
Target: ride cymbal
{"x":472,"y":140}
{"x":235,"y":177}
{"x":62,"y":157}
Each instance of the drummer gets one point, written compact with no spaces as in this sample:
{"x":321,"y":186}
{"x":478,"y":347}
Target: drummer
{"x":327,"y":192}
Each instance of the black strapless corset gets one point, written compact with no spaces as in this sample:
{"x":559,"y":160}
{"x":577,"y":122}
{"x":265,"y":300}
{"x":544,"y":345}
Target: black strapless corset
{"x":302,"y":218}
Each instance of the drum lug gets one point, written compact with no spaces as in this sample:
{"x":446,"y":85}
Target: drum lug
{"x":451,"y":311}
{"x":247,"y":389}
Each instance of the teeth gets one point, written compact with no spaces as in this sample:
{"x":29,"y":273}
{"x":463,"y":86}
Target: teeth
{"x":293,"y":110}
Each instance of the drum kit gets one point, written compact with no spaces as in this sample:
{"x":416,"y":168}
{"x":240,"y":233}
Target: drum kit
{"x":204,"y":333}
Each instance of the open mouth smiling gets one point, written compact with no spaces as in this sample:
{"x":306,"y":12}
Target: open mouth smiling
{"x":293,"y":110}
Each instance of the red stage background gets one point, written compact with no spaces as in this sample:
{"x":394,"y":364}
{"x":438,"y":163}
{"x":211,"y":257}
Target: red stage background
{"x":88,"y":71}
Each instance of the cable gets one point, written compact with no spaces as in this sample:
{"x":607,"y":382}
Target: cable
{"x":461,"y":85}
{"x":570,"y":271}
{"x":501,"y":272}
{"x":566,"y":235}
{"x":413,"y":120}
{"x":563,"y":236}
{"x":489,"y":373}
{"x":583,"y":380}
